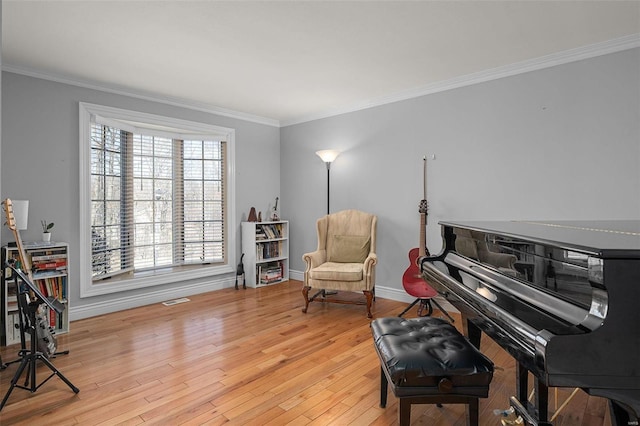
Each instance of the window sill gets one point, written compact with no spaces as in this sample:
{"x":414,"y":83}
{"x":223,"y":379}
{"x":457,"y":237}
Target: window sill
{"x":152,"y":278}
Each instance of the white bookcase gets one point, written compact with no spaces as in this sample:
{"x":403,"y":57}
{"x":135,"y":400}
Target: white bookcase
{"x":266,"y":252}
{"x":50,"y":271}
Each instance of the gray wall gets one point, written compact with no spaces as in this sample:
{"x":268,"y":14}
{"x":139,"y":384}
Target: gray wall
{"x":560,"y":143}
{"x":40,"y":160}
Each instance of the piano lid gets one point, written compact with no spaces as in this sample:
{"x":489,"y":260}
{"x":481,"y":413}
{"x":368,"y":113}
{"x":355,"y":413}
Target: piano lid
{"x":604,"y":239}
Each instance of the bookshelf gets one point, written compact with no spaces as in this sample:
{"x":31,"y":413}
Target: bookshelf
{"x":266,"y":252}
{"x":50,"y":272}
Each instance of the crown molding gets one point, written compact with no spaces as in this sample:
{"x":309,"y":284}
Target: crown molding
{"x":573,"y":55}
{"x":119,"y":90}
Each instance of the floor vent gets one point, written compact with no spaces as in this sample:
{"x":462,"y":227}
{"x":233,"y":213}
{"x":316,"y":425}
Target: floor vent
{"x":175,"y":301}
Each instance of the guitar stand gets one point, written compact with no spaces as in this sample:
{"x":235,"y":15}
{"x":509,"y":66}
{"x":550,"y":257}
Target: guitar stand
{"x":29,"y":361}
{"x":426,"y":304}
{"x":27,"y":312}
{"x":23,"y":347}
{"x":23,"y":351}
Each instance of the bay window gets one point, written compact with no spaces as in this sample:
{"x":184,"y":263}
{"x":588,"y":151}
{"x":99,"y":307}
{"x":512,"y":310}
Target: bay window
{"x":156,"y":199}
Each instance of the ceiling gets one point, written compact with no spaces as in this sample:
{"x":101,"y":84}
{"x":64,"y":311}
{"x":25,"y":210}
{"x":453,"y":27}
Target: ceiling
{"x":290,"y":61}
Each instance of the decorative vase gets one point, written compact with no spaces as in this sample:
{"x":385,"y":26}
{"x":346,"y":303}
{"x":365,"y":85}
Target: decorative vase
{"x":46,"y":237}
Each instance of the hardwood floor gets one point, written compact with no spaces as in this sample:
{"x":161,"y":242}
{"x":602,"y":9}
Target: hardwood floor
{"x":247,"y":357}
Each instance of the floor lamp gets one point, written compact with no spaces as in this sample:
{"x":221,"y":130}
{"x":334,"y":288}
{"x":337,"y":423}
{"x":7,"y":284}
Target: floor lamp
{"x":328,"y":156}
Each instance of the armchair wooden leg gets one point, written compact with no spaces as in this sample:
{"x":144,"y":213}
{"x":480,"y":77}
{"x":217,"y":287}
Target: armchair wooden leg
{"x":305,"y":294}
{"x":369,"y":296}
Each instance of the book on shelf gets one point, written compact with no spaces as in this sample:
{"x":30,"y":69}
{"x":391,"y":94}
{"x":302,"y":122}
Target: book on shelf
{"x":36,"y":257}
{"x":272,"y":231}
{"x":52,"y":318}
{"x":270,"y":273}
{"x":53,"y":265}
{"x":55,"y":287}
{"x":268,"y":250}
{"x":13,"y":327}
{"x":12,"y":293}
{"x":37,"y":244}
{"x":55,"y":319}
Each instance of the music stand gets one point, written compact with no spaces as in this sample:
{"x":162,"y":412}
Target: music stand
{"x":27,"y":313}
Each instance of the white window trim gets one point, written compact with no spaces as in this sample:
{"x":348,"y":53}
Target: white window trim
{"x":185,"y":129}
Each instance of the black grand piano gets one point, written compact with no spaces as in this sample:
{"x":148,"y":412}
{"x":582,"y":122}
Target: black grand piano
{"x":561,"y":297}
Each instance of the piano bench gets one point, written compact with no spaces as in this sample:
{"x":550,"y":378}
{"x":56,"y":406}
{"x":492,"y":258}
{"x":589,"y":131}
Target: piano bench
{"x":427,"y":361}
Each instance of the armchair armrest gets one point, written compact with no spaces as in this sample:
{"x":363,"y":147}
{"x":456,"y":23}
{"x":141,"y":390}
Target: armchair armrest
{"x":314,"y":258}
{"x":370,"y":262}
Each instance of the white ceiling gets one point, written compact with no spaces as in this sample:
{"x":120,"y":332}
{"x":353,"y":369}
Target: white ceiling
{"x":289,"y":61}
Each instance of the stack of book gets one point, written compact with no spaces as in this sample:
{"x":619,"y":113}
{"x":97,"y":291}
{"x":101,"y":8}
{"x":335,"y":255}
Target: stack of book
{"x":48,"y":262}
{"x":270,"y":273}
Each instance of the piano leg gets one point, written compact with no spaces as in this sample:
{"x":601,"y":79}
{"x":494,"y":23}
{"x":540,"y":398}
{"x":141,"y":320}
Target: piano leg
{"x":538,"y":412}
{"x":542,"y":402}
{"x":619,"y":415}
{"x":522,"y":384}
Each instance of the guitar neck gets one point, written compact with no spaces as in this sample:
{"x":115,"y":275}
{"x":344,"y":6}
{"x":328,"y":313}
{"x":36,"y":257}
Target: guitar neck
{"x":422,"y":248}
{"x":26,"y":266}
{"x":11,"y":224}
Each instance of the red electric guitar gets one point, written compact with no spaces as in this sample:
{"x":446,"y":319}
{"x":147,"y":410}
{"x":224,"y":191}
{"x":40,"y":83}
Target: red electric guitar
{"x":412,"y":274}
{"x":412,"y":280}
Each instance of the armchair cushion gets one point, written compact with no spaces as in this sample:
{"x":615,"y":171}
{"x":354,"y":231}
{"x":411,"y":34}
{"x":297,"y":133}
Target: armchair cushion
{"x":348,"y":248}
{"x":337,"y":271}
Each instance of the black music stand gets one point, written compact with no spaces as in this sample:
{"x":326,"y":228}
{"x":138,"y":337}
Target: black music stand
{"x":27,"y":313}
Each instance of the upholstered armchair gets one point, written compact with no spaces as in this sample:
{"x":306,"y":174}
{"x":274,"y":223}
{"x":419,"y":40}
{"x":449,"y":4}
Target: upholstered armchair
{"x":345,"y":259}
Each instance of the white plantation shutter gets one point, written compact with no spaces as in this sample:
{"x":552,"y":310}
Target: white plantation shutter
{"x":157,"y":201}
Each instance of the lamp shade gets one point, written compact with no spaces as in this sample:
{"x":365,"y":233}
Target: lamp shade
{"x":21,"y":213}
{"x":328,"y":155}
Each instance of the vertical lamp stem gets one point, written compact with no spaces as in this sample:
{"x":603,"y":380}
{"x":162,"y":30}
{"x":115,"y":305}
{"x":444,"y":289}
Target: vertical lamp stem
{"x":328,"y":185}
{"x":328,"y":155}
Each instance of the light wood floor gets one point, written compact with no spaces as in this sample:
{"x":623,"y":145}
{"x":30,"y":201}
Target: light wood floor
{"x":247,"y":357}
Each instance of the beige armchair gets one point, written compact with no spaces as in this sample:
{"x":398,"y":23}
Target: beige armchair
{"x":345,"y":259}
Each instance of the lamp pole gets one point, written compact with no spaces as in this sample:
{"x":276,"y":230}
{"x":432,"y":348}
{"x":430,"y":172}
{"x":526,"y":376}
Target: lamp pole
{"x":328,"y":156}
{"x":328,"y":184}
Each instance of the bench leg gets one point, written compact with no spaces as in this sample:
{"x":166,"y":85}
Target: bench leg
{"x":383,"y":389}
{"x":404,"y":412}
{"x":473,"y":412}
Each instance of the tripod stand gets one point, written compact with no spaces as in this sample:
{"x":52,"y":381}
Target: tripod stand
{"x":29,"y":323}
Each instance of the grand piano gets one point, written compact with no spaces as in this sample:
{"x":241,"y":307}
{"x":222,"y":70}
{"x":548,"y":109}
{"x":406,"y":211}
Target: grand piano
{"x":561,"y":297}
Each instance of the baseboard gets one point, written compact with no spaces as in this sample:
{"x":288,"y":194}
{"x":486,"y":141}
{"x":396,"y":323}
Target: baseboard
{"x":158,"y":296}
{"x":296,"y":275}
{"x":147,"y":298}
{"x":398,"y":295}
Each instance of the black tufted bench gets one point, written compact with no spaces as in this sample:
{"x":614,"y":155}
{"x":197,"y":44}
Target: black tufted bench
{"x":427,"y":361}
